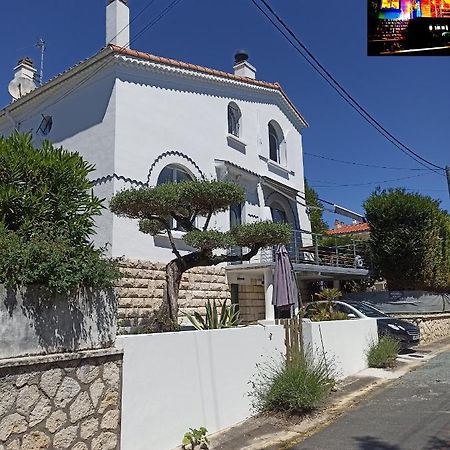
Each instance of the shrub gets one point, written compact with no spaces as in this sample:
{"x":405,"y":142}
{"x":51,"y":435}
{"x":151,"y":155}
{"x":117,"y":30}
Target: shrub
{"x":295,"y":386}
{"x":227,"y":318}
{"x":326,"y":311}
{"x":47,"y":214}
{"x":383,"y":353}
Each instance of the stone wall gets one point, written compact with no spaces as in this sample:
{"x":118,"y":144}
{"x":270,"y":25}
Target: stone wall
{"x":432,"y":326}
{"x":61,"y":401}
{"x":251,"y":303}
{"x":141,"y":289}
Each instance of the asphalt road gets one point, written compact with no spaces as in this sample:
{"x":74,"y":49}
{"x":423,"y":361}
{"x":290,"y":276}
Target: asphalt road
{"x":413,"y":413}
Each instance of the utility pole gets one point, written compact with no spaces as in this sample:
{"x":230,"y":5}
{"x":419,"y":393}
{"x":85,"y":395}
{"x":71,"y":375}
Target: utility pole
{"x":41,"y":44}
{"x":447,"y":170}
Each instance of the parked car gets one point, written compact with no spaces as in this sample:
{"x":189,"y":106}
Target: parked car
{"x":405,"y":332}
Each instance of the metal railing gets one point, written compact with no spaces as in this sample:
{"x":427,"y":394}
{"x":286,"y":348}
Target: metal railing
{"x":310,"y":248}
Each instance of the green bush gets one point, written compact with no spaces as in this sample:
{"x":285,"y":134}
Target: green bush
{"x":47,"y":211}
{"x":228,"y":317}
{"x":296,"y":386}
{"x":383,"y":353}
{"x":410,"y":240}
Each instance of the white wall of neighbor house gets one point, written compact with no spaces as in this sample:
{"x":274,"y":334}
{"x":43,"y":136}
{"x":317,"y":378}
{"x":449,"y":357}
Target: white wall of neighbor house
{"x":342,"y":344}
{"x":174,"y":381}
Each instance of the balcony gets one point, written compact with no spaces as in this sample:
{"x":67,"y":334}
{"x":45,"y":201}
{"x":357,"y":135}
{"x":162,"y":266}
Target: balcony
{"x":313,"y":252}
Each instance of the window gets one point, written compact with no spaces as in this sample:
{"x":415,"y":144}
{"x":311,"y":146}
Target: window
{"x":174,"y":174}
{"x":276,"y":143}
{"x":234,"y":119}
{"x":278,"y":213}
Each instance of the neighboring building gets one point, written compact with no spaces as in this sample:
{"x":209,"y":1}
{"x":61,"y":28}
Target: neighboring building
{"x":358,"y":230}
{"x":144,"y":120}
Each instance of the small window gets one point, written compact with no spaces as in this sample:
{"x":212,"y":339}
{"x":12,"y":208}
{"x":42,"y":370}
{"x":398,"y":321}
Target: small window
{"x":278,"y":213}
{"x":276,"y":142}
{"x":234,"y":119}
{"x":174,"y":174}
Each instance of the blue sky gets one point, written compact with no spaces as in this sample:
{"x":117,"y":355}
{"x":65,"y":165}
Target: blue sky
{"x":410,"y":96}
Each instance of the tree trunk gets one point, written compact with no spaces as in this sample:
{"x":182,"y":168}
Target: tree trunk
{"x":174,"y":272}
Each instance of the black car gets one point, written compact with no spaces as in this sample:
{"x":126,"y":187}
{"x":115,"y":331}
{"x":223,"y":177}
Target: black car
{"x":405,"y":332}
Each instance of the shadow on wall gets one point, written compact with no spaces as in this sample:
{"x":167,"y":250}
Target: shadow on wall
{"x":34,"y":321}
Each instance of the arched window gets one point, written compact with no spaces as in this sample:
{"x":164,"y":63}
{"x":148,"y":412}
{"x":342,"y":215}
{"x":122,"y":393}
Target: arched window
{"x":234,"y":119}
{"x":276,"y":142}
{"x":173,"y":174}
{"x":278,"y":213}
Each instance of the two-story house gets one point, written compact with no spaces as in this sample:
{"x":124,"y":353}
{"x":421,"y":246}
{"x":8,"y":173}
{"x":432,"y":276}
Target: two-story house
{"x":144,"y":120}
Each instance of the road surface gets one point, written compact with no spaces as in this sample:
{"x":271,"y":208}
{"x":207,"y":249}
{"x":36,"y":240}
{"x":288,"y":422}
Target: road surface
{"x":411,"y":414}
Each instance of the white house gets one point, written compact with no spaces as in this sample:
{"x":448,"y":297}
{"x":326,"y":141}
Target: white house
{"x":143,"y":120}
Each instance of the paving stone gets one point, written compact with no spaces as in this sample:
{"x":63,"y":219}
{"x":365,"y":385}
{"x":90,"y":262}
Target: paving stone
{"x":87,"y":373}
{"x":105,"y":441}
{"x":110,"y":420}
{"x":96,"y":391}
{"x":27,"y":398}
{"x":35,"y":441}
{"x":88,"y":428}
{"x":65,"y":437}
{"x":67,"y":391}
{"x":56,"y":420}
{"x":40,"y":411}
{"x":50,"y":381}
{"x":81,"y":407}
{"x":111,"y":374}
{"x":109,"y":400}
{"x":14,"y":423}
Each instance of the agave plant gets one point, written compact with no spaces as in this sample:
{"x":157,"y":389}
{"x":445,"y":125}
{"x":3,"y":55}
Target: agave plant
{"x":228,"y":317}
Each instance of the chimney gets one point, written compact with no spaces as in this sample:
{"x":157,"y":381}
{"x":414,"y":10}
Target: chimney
{"x":25,"y":69}
{"x":242,"y":67}
{"x":118,"y":23}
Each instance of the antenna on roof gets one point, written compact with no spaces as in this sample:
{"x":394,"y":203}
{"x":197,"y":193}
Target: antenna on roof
{"x":41,"y":44}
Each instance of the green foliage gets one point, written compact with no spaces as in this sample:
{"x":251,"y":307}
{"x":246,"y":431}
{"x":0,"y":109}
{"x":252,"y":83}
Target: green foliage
{"x":47,"y":217}
{"x":325,"y":311}
{"x":410,"y":240}
{"x":45,"y":190}
{"x":318,"y":225}
{"x":329,"y":294}
{"x":208,"y":239}
{"x":261,"y":233}
{"x":196,"y":437}
{"x":384,"y":352}
{"x":228,"y":317}
{"x":295,"y":386}
{"x":185,"y":200}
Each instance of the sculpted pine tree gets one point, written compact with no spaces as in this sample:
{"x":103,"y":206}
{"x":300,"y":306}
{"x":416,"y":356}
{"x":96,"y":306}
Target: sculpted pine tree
{"x":191,"y":206}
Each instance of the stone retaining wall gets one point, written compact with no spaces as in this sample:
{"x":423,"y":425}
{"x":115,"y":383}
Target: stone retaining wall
{"x":61,"y":401}
{"x":141,"y":289}
{"x":432,"y":326}
{"x":251,"y":302}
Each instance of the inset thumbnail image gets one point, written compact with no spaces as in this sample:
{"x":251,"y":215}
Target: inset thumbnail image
{"x":408,"y":27}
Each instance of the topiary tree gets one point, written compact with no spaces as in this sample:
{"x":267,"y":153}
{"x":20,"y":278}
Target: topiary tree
{"x":192,"y":205}
{"x":409,"y":239}
{"x":47,"y":212}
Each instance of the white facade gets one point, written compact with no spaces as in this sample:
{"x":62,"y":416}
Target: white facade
{"x":132,"y":116}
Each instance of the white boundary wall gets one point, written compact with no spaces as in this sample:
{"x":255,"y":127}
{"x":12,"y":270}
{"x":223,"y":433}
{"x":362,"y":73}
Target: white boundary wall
{"x":174,"y":381}
{"x":344,"y":343}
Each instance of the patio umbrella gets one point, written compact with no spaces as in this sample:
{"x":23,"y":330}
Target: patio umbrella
{"x":284,"y":286}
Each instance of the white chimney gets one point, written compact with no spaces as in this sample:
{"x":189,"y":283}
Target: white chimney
{"x":242,"y":67}
{"x":25,"y":69}
{"x":24,"y":79}
{"x":118,"y":23}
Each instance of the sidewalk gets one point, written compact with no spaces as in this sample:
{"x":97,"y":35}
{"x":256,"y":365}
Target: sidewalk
{"x":275,"y":432}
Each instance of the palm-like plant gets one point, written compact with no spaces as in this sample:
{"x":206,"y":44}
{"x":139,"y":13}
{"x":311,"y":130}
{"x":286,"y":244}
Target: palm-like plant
{"x":227,"y":318}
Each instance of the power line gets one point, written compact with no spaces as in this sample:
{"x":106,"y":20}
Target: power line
{"x":354,"y":163}
{"x":332,"y":185}
{"x":346,"y":96}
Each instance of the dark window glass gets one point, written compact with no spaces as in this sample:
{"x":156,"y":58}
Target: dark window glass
{"x":274,"y":144}
{"x":234,"y":119}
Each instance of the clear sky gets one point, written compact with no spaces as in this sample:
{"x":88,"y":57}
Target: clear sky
{"x":410,"y":96}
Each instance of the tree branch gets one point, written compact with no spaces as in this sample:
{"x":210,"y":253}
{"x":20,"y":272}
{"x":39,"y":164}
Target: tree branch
{"x":172,"y":243}
{"x":208,"y":219}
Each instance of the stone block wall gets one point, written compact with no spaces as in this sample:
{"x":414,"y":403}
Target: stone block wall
{"x":141,"y":290}
{"x":432,"y":326}
{"x":251,"y":302}
{"x":61,"y":401}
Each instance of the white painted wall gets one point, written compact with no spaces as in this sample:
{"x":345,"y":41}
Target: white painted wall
{"x":173,"y":381}
{"x":343,"y":342}
{"x":132,"y":112}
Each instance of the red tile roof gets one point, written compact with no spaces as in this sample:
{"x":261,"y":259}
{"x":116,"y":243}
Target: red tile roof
{"x":205,"y":70}
{"x":349,"y":229}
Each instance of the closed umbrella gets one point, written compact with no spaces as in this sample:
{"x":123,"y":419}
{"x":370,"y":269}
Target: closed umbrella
{"x":284,"y":287}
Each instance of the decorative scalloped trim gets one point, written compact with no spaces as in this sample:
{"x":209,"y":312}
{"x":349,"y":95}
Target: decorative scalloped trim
{"x":173,"y":153}
{"x":114,"y":176}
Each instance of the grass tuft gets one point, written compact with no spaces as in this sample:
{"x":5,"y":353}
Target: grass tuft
{"x":383,"y":353}
{"x":296,"y":386}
